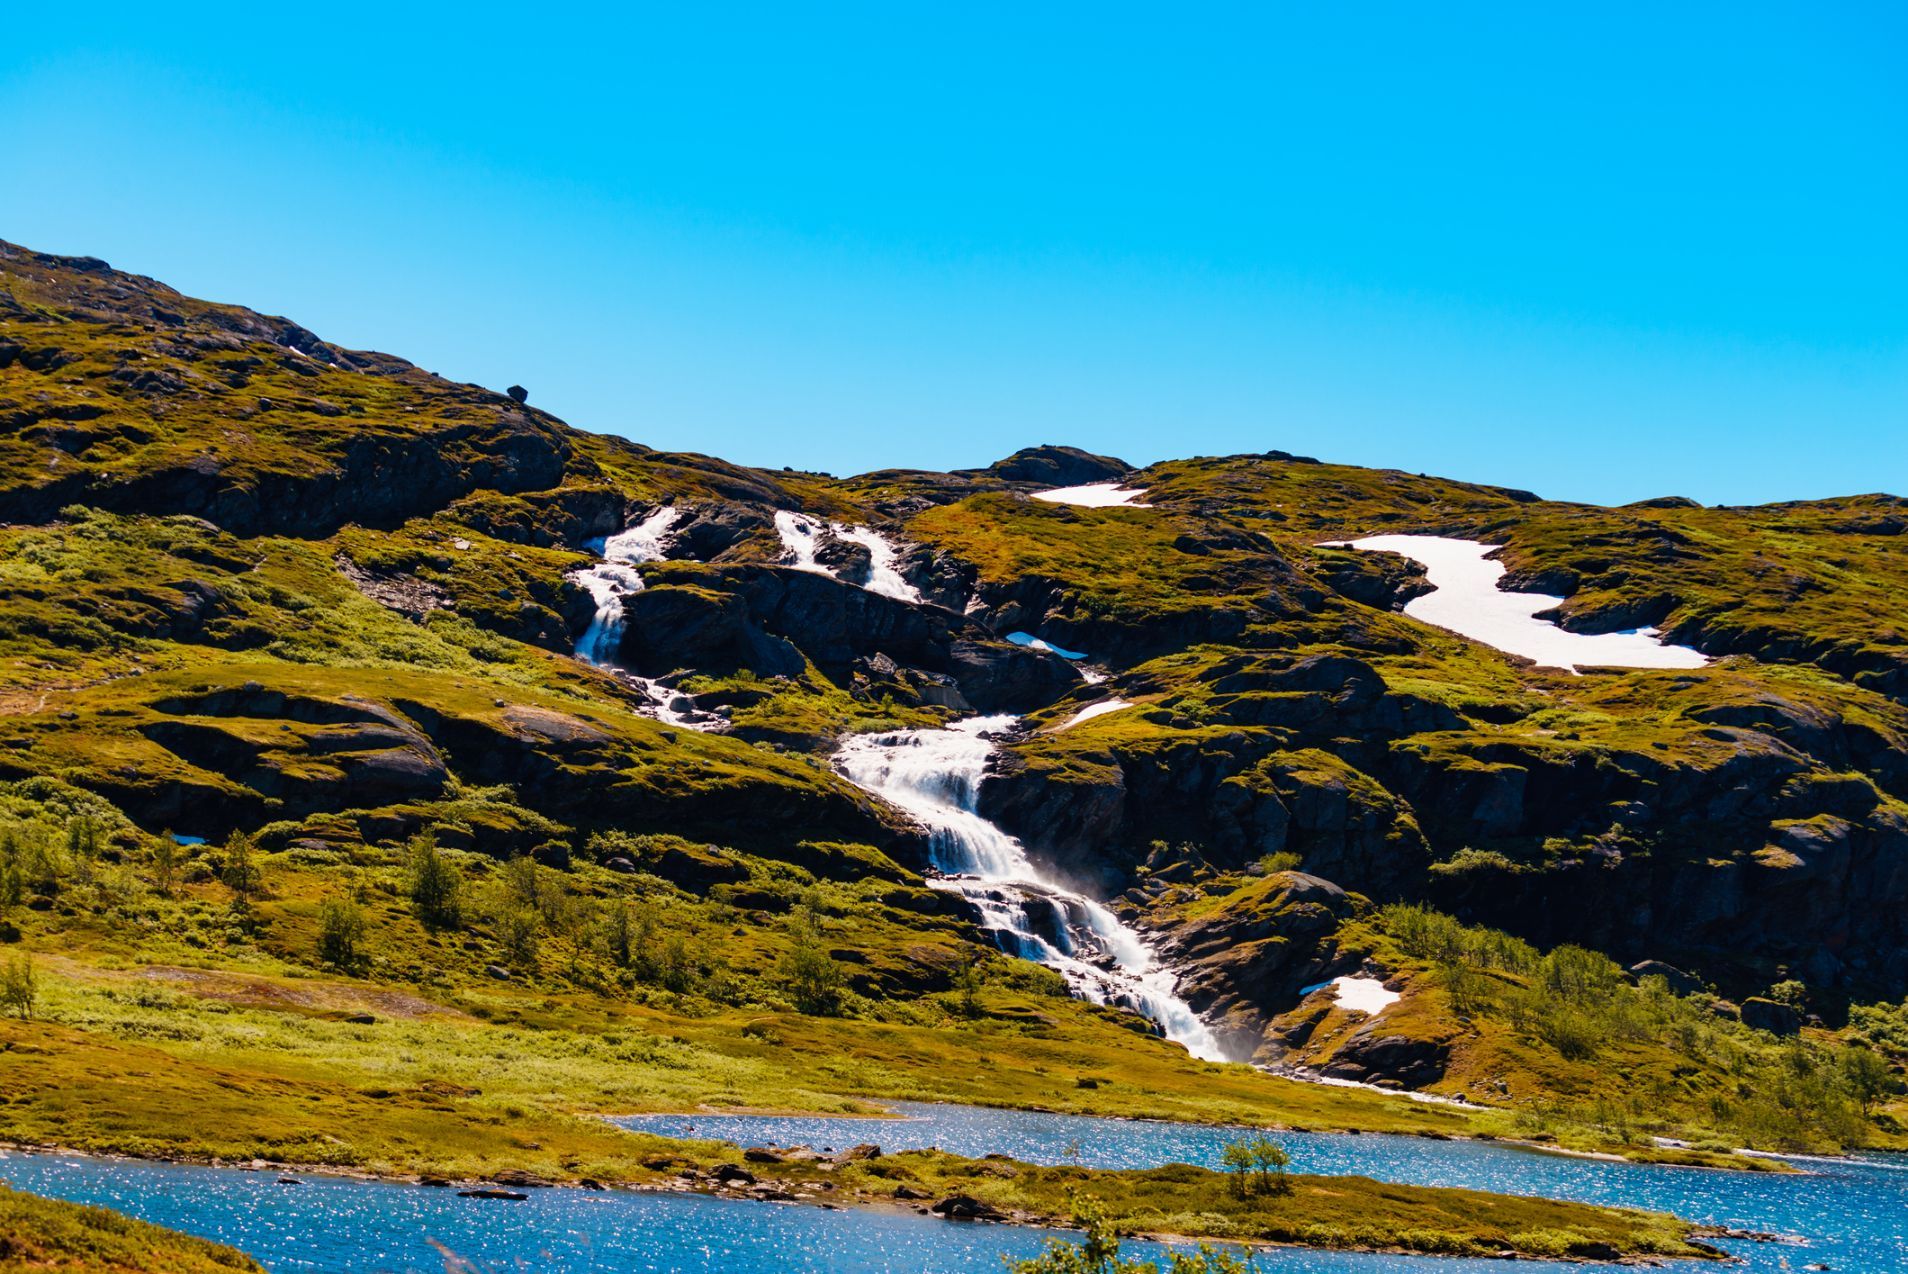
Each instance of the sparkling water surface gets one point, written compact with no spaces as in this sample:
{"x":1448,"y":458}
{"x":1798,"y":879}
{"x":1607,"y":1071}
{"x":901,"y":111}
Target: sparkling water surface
{"x":362,"y":1227}
{"x":1851,"y":1214}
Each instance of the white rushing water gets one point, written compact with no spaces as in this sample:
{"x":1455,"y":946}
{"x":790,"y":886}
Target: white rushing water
{"x":801,"y":538}
{"x":1467,"y":598}
{"x":884,"y":577}
{"x":608,"y":582}
{"x":1095,"y":495}
{"x":615,"y":577}
{"x":935,"y":775}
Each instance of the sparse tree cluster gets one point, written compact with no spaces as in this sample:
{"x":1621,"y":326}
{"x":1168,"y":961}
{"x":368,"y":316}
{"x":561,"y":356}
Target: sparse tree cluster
{"x":1098,"y":1252}
{"x":1257,"y":1164}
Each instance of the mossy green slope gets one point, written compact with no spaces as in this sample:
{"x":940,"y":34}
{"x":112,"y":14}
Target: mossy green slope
{"x":253,"y":582}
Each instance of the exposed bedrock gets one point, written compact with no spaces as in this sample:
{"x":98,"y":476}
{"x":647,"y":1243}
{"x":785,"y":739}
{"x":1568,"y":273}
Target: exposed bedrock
{"x":373,"y":478}
{"x":1242,"y":966}
{"x":774,"y":621}
{"x":709,"y":532}
{"x":1733,"y":857}
{"x":1383,"y":580}
{"x":565,"y":517}
{"x":1042,"y":606}
{"x":1259,"y":783}
{"x":1823,"y":897}
{"x":1052,"y":466}
{"x":252,"y":754}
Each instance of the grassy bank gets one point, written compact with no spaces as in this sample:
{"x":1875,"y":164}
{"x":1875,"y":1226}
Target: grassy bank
{"x":48,"y":1234}
{"x":199,"y":1064}
{"x":1178,"y":1200}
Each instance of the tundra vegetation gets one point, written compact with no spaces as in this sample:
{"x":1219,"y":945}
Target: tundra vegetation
{"x":442,"y":893}
{"x":46,"y":1234}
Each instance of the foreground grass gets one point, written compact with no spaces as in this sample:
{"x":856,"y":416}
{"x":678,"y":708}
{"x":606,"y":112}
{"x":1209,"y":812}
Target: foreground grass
{"x":47,"y":1234}
{"x":195,"y":1064}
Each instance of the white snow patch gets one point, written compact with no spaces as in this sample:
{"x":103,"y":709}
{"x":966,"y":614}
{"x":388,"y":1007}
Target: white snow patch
{"x":1363,"y":995}
{"x":1034,"y":643}
{"x":1091,"y":711}
{"x":1095,"y":495}
{"x":1466,"y":599}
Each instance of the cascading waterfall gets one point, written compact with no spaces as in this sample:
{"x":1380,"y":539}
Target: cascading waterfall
{"x":935,"y":775}
{"x":800,"y":534}
{"x":615,"y":577}
{"x":884,"y":575}
{"x":608,"y":582}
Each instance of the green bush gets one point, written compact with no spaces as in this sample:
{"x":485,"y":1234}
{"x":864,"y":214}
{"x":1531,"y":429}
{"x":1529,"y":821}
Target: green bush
{"x":341,"y":934}
{"x":1258,"y":1165}
{"x":238,"y":870}
{"x":436,"y":886}
{"x":19,"y":986}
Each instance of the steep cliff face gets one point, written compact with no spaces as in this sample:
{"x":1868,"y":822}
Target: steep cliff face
{"x":1737,"y":849}
{"x":252,"y":579}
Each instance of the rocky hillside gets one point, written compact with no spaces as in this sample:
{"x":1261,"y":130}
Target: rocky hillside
{"x":253,"y":581}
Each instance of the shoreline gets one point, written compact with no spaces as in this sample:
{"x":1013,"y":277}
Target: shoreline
{"x":1760,"y":1161}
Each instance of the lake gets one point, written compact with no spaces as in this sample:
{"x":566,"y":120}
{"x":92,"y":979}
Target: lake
{"x":1853,"y":1214}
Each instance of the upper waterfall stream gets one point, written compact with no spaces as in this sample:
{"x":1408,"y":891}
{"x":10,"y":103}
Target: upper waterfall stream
{"x":935,"y":775}
{"x":611,"y":580}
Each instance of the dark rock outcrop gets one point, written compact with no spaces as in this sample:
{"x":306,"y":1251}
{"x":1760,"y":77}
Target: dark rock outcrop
{"x":774,"y":622}
{"x":1052,"y":466}
{"x":1244,"y":964}
{"x":1373,"y":1054}
{"x":1770,"y":1015}
{"x":964,"y":1207}
{"x":1679,"y":983}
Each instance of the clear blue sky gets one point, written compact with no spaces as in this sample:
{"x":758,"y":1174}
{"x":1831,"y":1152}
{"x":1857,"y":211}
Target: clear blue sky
{"x":1603,"y":251}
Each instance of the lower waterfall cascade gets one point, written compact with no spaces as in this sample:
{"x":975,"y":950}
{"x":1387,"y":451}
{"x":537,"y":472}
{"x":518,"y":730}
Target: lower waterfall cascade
{"x":935,"y":775}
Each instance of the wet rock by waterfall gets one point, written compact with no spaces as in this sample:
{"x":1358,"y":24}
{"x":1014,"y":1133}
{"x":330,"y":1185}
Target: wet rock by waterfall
{"x":935,"y":776}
